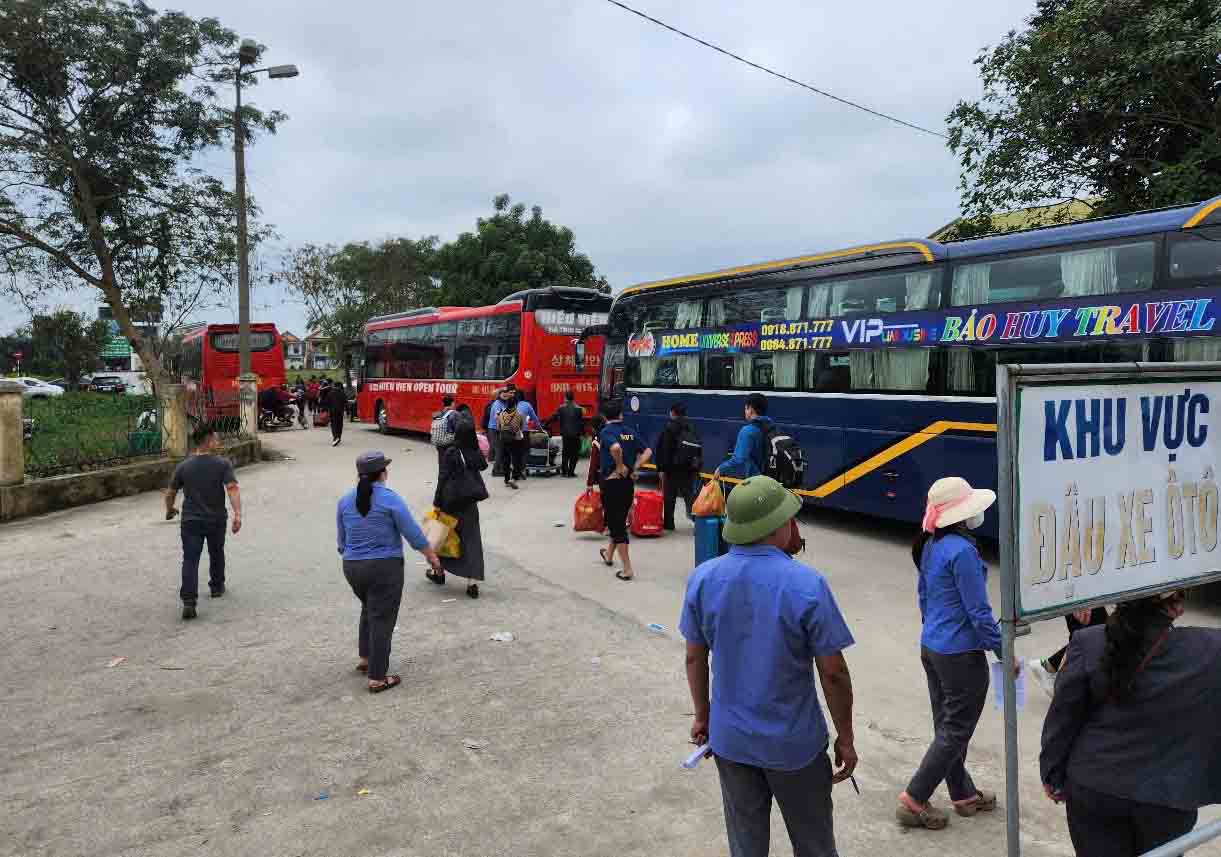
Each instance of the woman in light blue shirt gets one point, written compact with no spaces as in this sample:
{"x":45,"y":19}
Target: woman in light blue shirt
{"x":372,"y":522}
{"x":957,"y":628}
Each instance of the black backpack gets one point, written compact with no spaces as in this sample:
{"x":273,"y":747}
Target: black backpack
{"x":688,"y":451}
{"x":783,"y":459}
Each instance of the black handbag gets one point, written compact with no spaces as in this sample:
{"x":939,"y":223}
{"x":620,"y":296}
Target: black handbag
{"x":464,"y":487}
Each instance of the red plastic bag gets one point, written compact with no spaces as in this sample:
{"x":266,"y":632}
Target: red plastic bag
{"x":645,"y":518}
{"x":587,"y":516}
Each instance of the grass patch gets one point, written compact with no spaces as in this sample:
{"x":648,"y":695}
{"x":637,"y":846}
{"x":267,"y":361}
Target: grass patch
{"x":83,"y":431}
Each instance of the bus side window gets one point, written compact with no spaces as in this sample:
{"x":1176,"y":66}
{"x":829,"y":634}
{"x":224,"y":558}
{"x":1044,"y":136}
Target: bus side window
{"x":1196,"y":254}
{"x":828,"y":373}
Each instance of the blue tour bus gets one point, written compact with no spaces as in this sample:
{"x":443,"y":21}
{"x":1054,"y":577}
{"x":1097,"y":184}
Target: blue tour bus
{"x":880,"y":360}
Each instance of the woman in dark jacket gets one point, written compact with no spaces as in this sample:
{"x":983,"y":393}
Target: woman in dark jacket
{"x":1132,"y":740}
{"x":458,"y":483}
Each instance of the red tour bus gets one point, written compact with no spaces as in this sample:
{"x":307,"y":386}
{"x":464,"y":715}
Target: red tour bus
{"x":209,"y":367}
{"x":412,"y":359}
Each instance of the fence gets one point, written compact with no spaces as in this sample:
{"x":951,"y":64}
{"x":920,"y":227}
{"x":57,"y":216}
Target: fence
{"x":77,"y":432}
{"x":220,"y":407}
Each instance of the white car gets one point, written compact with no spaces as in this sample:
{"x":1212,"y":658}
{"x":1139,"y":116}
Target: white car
{"x":35,"y":389}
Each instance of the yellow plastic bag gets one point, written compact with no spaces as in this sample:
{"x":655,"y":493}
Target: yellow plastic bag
{"x":441,"y":530}
{"x":710,"y":503}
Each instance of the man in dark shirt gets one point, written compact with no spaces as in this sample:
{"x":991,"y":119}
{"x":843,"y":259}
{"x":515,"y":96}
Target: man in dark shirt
{"x":204,"y":478}
{"x":675,"y":465}
{"x":572,"y":425}
{"x":335,"y":402}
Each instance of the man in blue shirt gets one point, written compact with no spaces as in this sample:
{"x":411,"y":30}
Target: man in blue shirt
{"x":749,"y":452}
{"x":621,"y":456}
{"x":769,"y":622}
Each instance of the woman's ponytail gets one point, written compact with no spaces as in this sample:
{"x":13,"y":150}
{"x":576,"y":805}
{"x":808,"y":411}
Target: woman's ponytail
{"x":1132,"y":632}
{"x":364,"y":492}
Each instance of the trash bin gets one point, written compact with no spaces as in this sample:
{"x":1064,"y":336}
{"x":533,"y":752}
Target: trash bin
{"x":143,"y":442}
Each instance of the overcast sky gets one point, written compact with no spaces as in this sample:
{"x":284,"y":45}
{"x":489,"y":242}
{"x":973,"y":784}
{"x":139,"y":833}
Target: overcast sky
{"x":663,"y":157}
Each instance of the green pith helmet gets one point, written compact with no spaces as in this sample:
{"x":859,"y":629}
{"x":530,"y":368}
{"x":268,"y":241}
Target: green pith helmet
{"x":757,"y":508}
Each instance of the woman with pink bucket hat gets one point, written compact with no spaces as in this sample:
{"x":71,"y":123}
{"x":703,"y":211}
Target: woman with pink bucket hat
{"x":957,"y":629}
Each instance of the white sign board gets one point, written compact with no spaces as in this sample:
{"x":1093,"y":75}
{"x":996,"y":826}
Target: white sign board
{"x":1115,"y":486}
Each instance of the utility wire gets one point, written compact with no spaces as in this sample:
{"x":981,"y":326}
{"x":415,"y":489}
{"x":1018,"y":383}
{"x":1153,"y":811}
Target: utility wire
{"x":783,"y":77}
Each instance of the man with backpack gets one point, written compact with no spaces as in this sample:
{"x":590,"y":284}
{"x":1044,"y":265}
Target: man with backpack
{"x":679,"y":457}
{"x":441,"y":430}
{"x":761,"y":449}
{"x":572,"y":425}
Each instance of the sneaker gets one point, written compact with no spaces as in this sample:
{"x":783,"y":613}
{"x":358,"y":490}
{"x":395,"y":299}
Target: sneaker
{"x":217,"y":593}
{"x":1043,"y":677}
{"x":512,"y":485}
{"x":188,"y":611}
{"x":335,"y":441}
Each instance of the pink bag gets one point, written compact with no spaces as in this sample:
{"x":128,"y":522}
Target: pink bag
{"x":484,"y":446}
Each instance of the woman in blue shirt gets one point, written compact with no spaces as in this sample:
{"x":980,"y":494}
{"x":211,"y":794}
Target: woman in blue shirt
{"x":372,"y":522}
{"x":957,"y":628}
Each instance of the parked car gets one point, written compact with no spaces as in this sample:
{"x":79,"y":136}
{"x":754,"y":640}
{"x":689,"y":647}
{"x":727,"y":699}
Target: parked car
{"x":82,"y":384}
{"x":36,"y":389}
{"x":107,"y":384}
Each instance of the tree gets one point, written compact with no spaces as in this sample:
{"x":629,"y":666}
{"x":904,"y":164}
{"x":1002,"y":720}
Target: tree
{"x":508,"y":252}
{"x":343,"y":287}
{"x":1110,"y":102}
{"x":103,"y":107}
{"x":65,"y":343}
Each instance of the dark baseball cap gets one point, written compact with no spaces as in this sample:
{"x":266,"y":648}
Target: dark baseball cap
{"x":373,"y":461}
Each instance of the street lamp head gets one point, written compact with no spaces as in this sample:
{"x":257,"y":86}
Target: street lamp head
{"x":248,"y":52}
{"x":277,"y":71}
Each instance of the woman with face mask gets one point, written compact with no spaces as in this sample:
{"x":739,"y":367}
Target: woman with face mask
{"x":957,"y":629}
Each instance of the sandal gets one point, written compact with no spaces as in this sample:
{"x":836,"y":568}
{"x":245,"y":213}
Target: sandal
{"x":983,"y":802}
{"x":436,"y":577}
{"x":391,"y":681}
{"x":930,"y":818}
{"x":472,"y":591}
{"x":605,"y":561}
{"x":362,"y":668}
{"x":624,"y":577}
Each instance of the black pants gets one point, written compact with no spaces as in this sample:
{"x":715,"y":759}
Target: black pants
{"x":805,"y":802}
{"x":957,"y":691}
{"x":1104,"y":826}
{"x":1098,"y":616}
{"x":617,"y":495}
{"x":194,"y":535}
{"x":571,"y":455}
{"x":512,"y":457}
{"x":378,"y":583}
{"x":677,"y":484}
{"x":336,"y":423}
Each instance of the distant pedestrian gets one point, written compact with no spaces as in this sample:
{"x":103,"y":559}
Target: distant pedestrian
{"x":372,"y":522}
{"x":441,"y":427}
{"x":530,"y":422}
{"x":335,"y":402}
{"x":312,"y":391}
{"x":679,"y":455}
{"x":763,"y":618}
{"x":957,"y":629}
{"x":749,"y":456}
{"x":571,"y":418}
{"x":622,"y":455}
{"x":509,"y":425}
{"x":488,"y":424}
{"x":460,"y":489}
{"x":1131,"y":741}
{"x":1045,"y":670}
{"x":594,"y":478}
{"x":205,"y":479}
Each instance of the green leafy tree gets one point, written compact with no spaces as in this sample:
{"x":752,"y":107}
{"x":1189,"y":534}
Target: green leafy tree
{"x":65,"y":343}
{"x":508,"y":252}
{"x":1109,"y":102}
{"x":104,"y":105}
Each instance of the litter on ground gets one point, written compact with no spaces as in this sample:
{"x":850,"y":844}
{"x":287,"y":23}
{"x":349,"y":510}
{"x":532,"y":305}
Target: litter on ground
{"x":502,"y":637}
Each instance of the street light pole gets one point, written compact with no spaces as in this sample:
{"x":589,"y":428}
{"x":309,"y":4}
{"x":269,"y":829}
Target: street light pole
{"x":243,"y":262}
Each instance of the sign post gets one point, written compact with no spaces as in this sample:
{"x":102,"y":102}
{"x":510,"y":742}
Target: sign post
{"x":1108,"y":492}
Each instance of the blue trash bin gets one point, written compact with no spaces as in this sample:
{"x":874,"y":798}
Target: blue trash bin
{"x":708,"y":541}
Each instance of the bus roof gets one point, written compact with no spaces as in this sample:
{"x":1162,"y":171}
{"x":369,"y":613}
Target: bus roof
{"x":428,"y":315}
{"x":1206,"y":213}
{"x":202,"y":330}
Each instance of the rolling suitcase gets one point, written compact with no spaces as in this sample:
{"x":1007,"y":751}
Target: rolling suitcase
{"x":322,"y":418}
{"x":708,"y":541}
{"x":645,"y":517}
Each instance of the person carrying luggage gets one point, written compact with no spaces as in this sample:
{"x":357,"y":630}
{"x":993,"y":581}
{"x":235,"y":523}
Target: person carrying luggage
{"x":571,"y":418}
{"x":679,"y":456}
{"x":509,"y":423}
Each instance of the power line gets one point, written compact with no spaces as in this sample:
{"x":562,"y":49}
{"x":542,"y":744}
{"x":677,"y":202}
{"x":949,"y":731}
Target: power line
{"x":783,"y":77}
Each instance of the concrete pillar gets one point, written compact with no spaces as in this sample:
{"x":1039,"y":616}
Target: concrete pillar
{"x":175,"y":427}
{"x":249,"y":398}
{"x":12,"y":444}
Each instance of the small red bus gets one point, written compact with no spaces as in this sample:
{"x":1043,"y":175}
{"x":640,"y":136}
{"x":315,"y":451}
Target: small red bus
{"x":209,"y":367}
{"x":412,"y":359}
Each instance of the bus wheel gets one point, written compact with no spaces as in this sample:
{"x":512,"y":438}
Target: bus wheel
{"x":379,"y":414}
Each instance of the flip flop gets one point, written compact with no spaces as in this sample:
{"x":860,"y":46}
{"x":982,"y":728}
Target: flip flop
{"x":984,"y":802}
{"x":605,"y":561}
{"x":391,"y":681}
{"x":624,"y":577}
{"x":930,"y":818}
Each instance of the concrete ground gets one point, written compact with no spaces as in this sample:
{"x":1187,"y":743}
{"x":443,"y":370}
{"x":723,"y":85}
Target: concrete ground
{"x":219,"y":736}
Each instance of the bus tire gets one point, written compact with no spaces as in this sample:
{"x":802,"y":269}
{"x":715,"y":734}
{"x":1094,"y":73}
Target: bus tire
{"x":379,"y":416}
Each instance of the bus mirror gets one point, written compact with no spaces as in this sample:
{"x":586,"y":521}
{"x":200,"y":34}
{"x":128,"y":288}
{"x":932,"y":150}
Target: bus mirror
{"x":578,"y":354}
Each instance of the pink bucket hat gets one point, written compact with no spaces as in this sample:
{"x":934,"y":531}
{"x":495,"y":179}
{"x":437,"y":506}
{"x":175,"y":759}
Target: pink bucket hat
{"x":952,"y":500}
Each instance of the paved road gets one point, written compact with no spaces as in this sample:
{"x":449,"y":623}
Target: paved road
{"x":216,"y":737}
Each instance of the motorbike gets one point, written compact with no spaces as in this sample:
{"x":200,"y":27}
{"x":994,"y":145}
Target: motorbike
{"x":271,"y":421}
